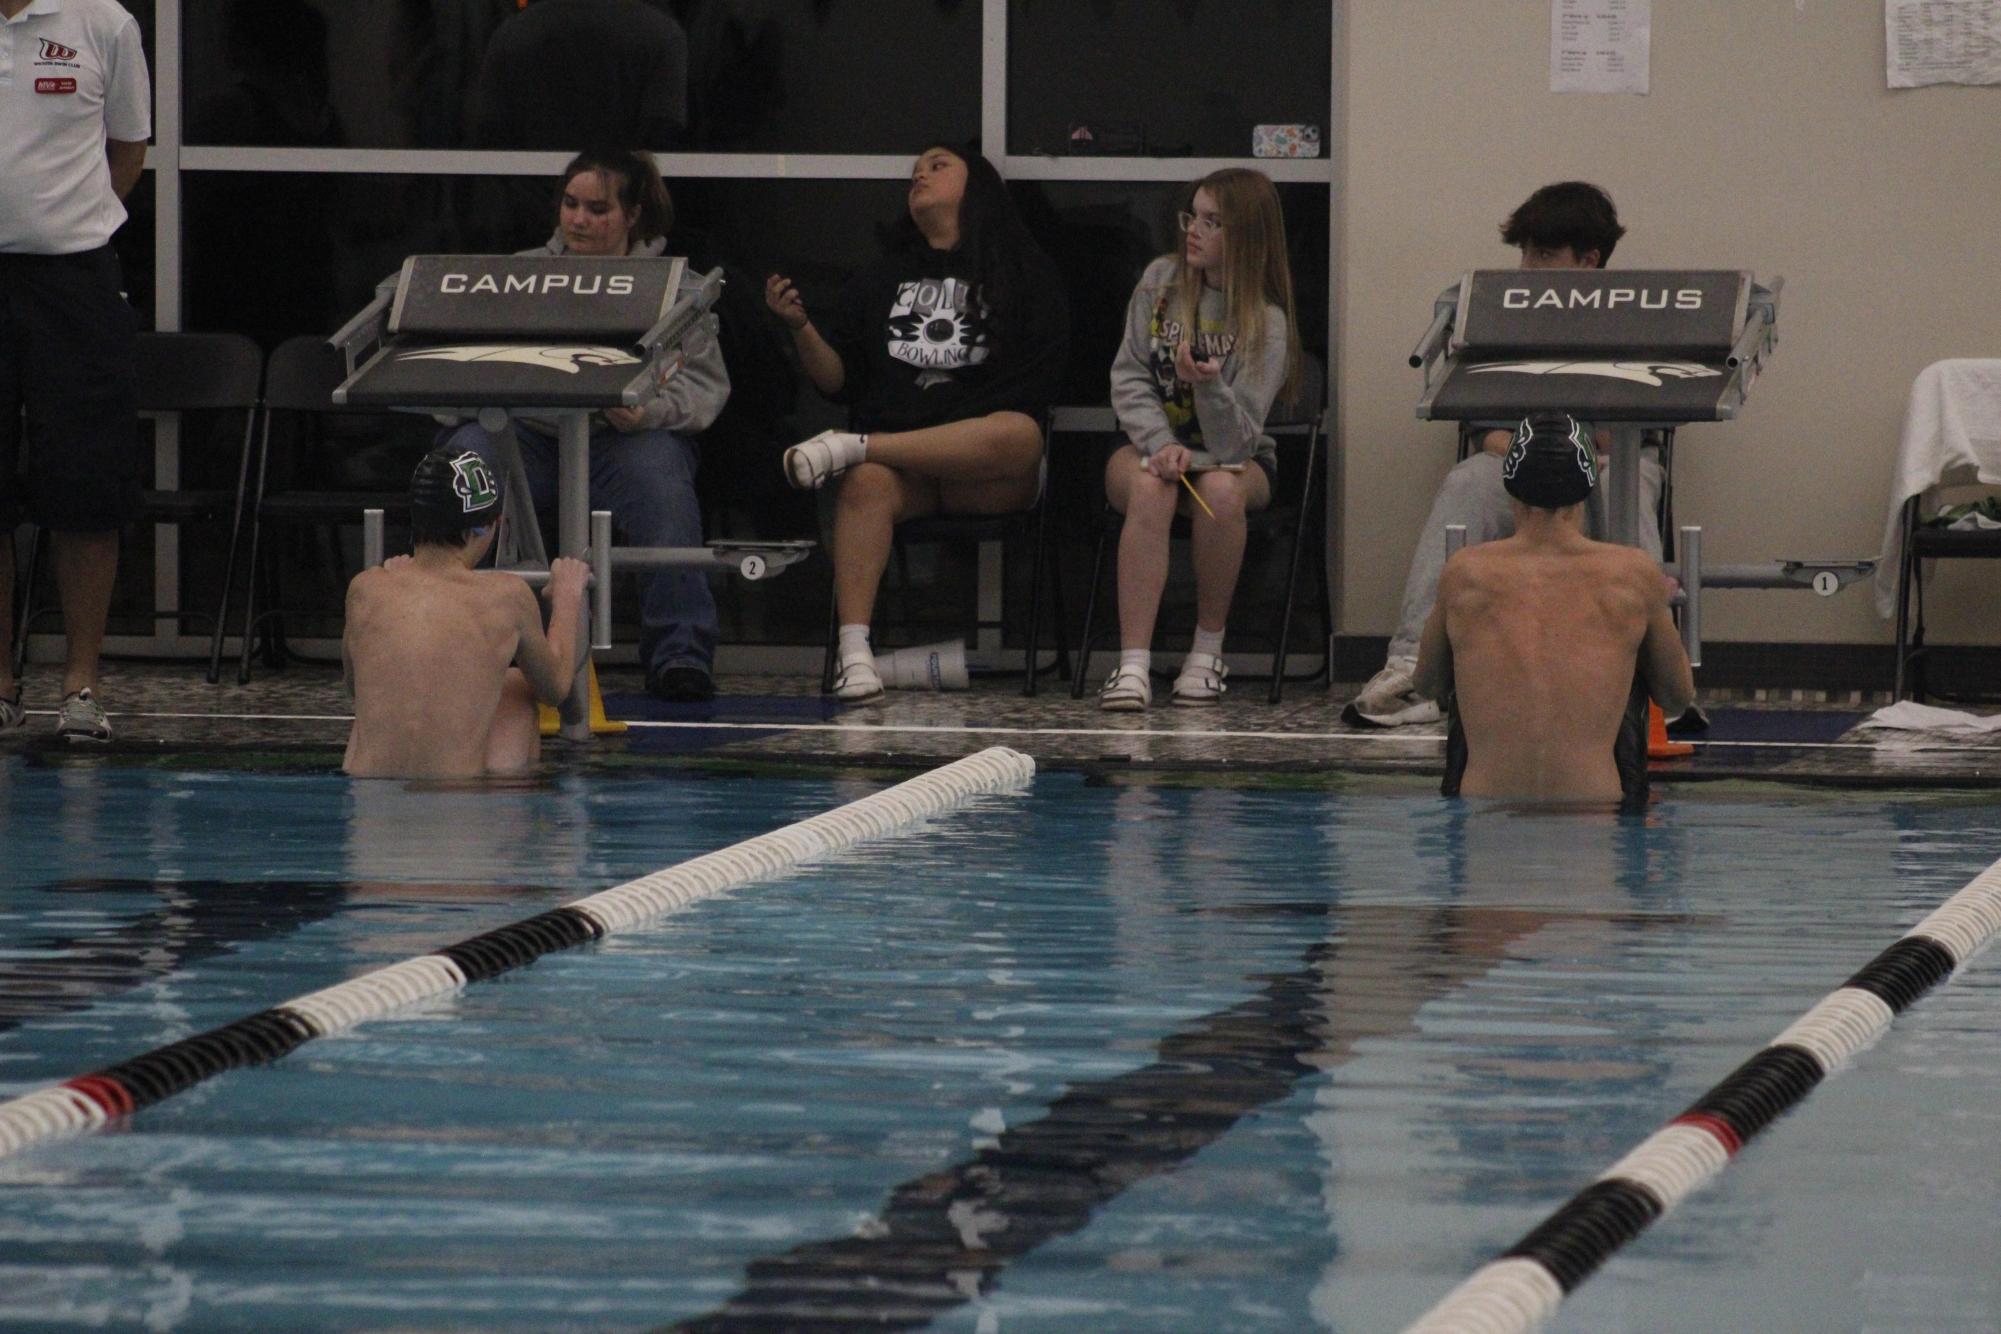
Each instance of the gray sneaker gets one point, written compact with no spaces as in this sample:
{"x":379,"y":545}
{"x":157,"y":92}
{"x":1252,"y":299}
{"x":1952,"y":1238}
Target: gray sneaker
{"x":11,"y":712}
{"x":1390,"y":699}
{"x":81,"y":718}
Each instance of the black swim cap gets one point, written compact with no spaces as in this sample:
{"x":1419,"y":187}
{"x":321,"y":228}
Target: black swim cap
{"x":1551,"y":465}
{"x":453,"y":490}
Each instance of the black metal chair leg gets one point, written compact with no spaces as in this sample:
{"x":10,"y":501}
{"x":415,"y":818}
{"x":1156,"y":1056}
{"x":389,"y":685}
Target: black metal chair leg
{"x":1062,"y":621}
{"x":1034,"y":600}
{"x":249,"y":603}
{"x":24,"y":615}
{"x":1326,"y":604}
{"x":1291,"y":590}
{"x":235,"y":545}
{"x":1919,"y":684}
{"x":1090,"y":611}
{"x":833,"y":640}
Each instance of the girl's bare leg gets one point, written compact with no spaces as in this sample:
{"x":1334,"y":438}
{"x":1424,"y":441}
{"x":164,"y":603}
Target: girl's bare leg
{"x":997,"y":447}
{"x":1219,"y":542}
{"x":1148,"y":504}
{"x":987,"y":465}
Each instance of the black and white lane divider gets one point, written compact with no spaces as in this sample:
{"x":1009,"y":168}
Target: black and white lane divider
{"x":1522,"y":1288}
{"x":88,"y":1101}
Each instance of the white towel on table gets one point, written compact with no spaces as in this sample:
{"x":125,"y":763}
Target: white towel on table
{"x":1953,"y":424}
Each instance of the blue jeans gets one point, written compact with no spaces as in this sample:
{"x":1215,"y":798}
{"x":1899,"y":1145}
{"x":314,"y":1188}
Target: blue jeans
{"x":647,"y":480}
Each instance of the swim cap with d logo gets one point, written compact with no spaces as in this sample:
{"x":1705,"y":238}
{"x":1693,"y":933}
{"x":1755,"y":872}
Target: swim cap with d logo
{"x":453,"y":490}
{"x":1551,"y":464}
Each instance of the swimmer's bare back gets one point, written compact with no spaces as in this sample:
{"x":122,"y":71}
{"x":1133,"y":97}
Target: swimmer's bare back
{"x":429,"y":646}
{"x":1546,"y":630}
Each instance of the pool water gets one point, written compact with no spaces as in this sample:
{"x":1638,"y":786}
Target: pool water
{"x":1098,"y":1056}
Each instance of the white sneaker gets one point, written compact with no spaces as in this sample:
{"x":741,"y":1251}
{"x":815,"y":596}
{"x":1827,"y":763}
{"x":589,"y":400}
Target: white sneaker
{"x":811,"y":464}
{"x":1126,"y":690}
{"x":1390,"y":699}
{"x":1201,"y":680}
{"x":858,"y":682}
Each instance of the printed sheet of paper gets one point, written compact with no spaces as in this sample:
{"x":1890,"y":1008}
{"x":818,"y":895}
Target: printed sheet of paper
{"x":1942,"y":41}
{"x":1599,"y":46}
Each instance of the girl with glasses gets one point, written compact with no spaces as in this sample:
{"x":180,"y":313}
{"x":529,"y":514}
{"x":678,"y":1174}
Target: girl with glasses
{"x":1211,"y":341}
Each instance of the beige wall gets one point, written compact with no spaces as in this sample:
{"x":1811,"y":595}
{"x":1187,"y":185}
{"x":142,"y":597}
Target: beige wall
{"x":1769,"y":143}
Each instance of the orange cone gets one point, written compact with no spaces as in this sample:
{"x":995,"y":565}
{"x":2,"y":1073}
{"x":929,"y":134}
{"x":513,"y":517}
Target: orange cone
{"x":1658,"y":745}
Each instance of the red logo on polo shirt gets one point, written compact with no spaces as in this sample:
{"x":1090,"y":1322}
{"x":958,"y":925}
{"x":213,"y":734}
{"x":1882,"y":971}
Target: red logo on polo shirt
{"x":57,"y":51}
{"x":55,"y":85}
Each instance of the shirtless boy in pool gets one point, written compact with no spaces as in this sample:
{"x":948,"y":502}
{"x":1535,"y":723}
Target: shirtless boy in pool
{"x":446,"y":661}
{"x":1548,"y":644}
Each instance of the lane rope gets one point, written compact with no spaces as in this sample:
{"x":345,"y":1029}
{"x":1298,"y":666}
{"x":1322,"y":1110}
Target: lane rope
{"x":86,"y":1102}
{"x":1523,"y":1287}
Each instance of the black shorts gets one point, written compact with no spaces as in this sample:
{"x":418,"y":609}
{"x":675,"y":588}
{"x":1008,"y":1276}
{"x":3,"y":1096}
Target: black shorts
{"x":69,"y":433}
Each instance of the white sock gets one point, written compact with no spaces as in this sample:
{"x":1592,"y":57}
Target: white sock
{"x":1141,"y":658}
{"x":1207,"y":641}
{"x":854,"y":643}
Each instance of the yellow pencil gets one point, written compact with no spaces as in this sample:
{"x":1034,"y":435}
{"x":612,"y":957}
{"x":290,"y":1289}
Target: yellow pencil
{"x":1198,"y":496}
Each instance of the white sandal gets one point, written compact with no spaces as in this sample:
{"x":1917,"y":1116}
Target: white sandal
{"x":1126,"y":690}
{"x":858,"y":682}
{"x":1201,"y":680}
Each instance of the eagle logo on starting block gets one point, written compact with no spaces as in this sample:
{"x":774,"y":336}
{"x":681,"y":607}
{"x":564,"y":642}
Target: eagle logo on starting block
{"x":1638,"y":372}
{"x":568,"y":360}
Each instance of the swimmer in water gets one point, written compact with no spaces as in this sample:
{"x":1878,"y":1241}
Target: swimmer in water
{"x":445,"y":661}
{"x":1547,"y":644}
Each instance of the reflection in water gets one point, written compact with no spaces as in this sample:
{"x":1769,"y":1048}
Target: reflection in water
{"x":482,"y":831}
{"x":98,"y":931}
{"x":194,"y":920}
{"x":943,"y":1239}
{"x":1542,"y":895}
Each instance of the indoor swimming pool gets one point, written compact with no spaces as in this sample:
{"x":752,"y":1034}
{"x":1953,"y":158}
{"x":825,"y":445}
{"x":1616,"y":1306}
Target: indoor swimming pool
{"x":1095,"y":1055}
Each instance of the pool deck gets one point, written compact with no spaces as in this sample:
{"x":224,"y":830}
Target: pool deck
{"x":301,"y":715}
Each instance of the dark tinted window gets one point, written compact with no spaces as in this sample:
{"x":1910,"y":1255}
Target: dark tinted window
{"x":272,"y":254}
{"x":829,"y":76}
{"x":1162,"y":79}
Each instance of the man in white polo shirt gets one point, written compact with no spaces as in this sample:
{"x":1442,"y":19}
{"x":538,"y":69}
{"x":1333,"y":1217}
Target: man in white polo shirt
{"x":77,"y":108}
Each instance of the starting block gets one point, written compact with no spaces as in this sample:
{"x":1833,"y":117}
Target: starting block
{"x":556,"y":338}
{"x":1631,"y":351}
{"x":549,"y":719}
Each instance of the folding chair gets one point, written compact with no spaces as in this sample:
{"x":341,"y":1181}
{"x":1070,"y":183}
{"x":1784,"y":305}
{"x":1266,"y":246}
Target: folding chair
{"x":299,"y":383}
{"x":1920,"y":545}
{"x":1296,"y":517}
{"x":177,"y":373}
